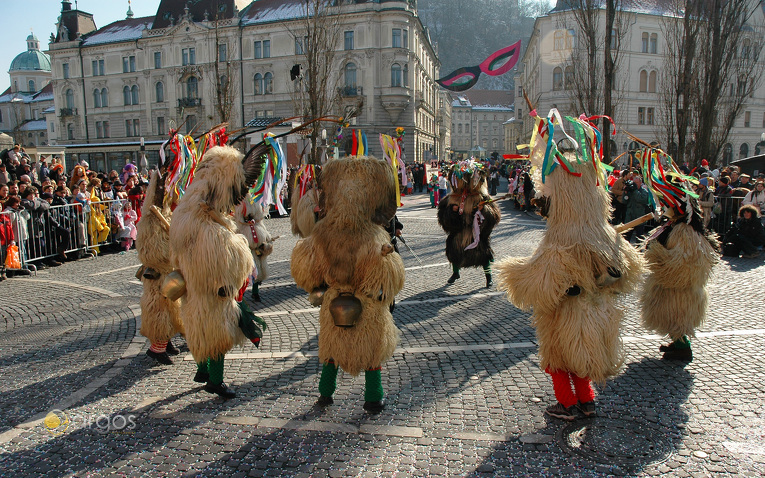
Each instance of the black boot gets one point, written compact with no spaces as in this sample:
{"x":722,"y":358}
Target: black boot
{"x":256,"y":292}
{"x":220,"y":389}
{"x":489,"y":282}
{"x":324,"y":401}
{"x":171,"y":350}
{"x":201,"y":377}
{"x":374,"y":407}
{"x":680,"y":354}
{"x":453,"y":278}
{"x":160,"y":357}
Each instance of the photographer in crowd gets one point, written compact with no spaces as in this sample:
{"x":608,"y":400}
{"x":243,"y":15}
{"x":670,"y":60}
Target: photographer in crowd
{"x":637,"y":202}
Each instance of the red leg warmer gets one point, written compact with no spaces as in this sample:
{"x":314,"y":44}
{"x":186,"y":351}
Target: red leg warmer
{"x":562,"y":387}
{"x":583,"y":388}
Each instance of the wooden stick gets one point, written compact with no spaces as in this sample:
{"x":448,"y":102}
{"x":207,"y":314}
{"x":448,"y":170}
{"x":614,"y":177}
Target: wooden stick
{"x":162,"y":221}
{"x":634,"y":223}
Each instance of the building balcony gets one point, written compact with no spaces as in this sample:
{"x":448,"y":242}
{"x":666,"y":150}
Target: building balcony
{"x":68,"y":112}
{"x":350,"y":91}
{"x":189,"y":102}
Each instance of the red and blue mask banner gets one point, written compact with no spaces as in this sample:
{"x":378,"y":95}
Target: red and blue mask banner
{"x":498,"y":63}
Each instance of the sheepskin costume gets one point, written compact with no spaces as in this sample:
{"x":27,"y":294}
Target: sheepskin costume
{"x":572,"y":278}
{"x":463,"y":213}
{"x":160,"y":316}
{"x":214,"y":260}
{"x":680,"y":254}
{"x":303,"y":214}
{"x":249,"y":220}
{"x":349,"y":253}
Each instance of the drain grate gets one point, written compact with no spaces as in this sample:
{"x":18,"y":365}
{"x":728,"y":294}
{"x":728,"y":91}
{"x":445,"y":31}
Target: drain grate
{"x":615,"y":441}
{"x":35,"y":334}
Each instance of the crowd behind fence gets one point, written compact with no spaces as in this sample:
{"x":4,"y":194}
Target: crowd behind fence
{"x":62,"y":230}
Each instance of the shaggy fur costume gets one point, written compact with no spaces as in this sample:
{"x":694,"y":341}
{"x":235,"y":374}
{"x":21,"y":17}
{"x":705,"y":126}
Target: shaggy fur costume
{"x":680,"y":261}
{"x":344,"y":251}
{"x":248,"y":217}
{"x":577,"y":333}
{"x":459,"y":227}
{"x":302,"y":216}
{"x":212,"y":257}
{"x":160,"y":316}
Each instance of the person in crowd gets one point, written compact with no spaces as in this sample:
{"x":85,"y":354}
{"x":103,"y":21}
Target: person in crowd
{"x":113,"y":176}
{"x":637,"y":200}
{"x":56,"y":172}
{"x":119,"y":193}
{"x":128,"y":230}
{"x":136,"y":195}
{"x":745,"y":182}
{"x":5,"y":178}
{"x":13,"y":188}
{"x":706,"y":200}
{"x":617,"y":198}
{"x":433,"y":191}
{"x":735,"y":181}
{"x":756,"y":197}
{"x":3,"y":194}
{"x":106,"y":191}
{"x":78,"y":174}
{"x":528,"y":192}
{"x":44,"y":171}
{"x":493,"y":181}
{"x":98,"y":227}
{"x":443,"y":184}
{"x":14,"y":155}
{"x":41,"y":241}
{"x":55,"y":227}
{"x":746,"y":235}
{"x":723,"y":187}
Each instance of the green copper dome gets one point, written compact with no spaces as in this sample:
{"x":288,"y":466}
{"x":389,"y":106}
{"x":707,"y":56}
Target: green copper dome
{"x":32,"y":59}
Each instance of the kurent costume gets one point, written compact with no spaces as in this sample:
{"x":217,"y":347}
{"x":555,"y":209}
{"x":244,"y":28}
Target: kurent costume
{"x":215,"y":261}
{"x":305,"y":206}
{"x":160,"y":316}
{"x":249,"y":220}
{"x":349,"y":265}
{"x":681,"y":254}
{"x":468,"y":216}
{"x":572,"y":278}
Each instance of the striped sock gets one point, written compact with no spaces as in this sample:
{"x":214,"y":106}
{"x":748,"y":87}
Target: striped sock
{"x":158,"y":347}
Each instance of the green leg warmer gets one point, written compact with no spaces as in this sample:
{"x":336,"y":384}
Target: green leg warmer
{"x":373,"y":389}
{"x":328,"y":380}
{"x":216,"y":370}
{"x":455,"y":269}
{"x":255,"y":290}
{"x":487,"y":268}
{"x":202,"y":367}
{"x":682,"y":343}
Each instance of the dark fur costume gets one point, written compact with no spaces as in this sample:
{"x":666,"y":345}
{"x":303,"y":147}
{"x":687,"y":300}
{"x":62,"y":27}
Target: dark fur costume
{"x":469,"y":190}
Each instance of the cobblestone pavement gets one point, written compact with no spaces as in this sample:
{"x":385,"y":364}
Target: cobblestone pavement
{"x":464,"y":390}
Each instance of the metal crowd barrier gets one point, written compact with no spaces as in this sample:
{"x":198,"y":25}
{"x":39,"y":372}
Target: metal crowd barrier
{"x":68,"y":229}
{"x":721,"y":222}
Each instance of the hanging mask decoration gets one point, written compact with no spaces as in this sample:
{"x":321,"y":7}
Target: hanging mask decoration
{"x":498,"y":63}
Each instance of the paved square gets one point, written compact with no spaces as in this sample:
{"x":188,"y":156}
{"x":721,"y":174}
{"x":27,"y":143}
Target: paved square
{"x":464,"y":391}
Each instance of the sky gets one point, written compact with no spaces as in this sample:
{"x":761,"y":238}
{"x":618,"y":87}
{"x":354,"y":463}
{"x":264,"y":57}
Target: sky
{"x":40,"y":16}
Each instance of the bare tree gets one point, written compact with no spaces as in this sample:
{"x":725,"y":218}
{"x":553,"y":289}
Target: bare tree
{"x":316,"y":40}
{"x":712,"y":68}
{"x":224,"y":73}
{"x":593,"y":86}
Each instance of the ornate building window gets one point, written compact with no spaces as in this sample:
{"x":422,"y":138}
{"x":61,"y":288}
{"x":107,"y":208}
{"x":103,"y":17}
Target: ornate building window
{"x":268,"y":84}
{"x":69,"y":98}
{"x":395,"y":75}
{"x":96,"y":98}
{"x":192,"y":87}
{"x":350,"y":75}
{"x":104,"y":98}
{"x":134,"y":95}
{"x":557,"y":78}
{"x":160,"y":91}
{"x":258,"y":84}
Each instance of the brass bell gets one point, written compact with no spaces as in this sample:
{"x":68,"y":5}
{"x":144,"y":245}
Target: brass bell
{"x":174,"y":286}
{"x":345,"y":309}
{"x":149,"y":273}
{"x":139,"y":272}
{"x":316,"y":297}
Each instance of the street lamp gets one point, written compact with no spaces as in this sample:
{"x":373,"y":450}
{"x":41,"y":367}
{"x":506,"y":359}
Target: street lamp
{"x":16,"y":106}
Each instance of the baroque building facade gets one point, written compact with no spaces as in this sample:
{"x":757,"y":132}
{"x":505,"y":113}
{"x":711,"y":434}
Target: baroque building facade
{"x":24,"y":105}
{"x":547,"y":73}
{"x":139,"y":77}
{"x":477,"y":127}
